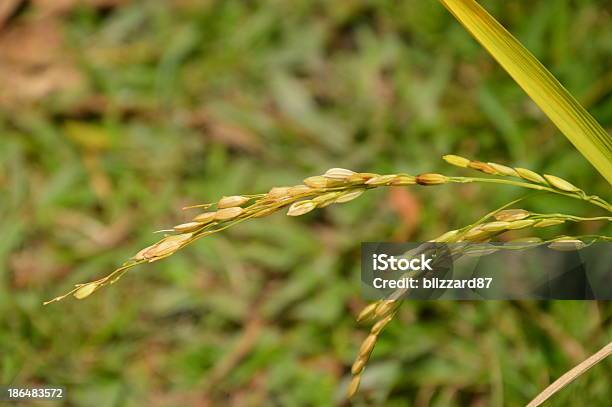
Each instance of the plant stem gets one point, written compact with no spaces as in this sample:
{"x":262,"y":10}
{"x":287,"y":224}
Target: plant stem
{"x":595,"y":200}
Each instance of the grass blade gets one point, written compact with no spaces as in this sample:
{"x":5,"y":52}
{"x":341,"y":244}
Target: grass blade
{"x":558,"y":104}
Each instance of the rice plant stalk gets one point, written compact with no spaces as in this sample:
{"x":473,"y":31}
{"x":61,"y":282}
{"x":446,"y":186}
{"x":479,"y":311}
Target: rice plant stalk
{"x":572,"y":374}
{"x":335,"y":186}
{"x":338,"y":186}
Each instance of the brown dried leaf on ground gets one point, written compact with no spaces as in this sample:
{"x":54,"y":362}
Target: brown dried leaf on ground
{"x":408,"y":207}
{"x":230,"y":134}
{"x":54,"y":7}
{"x":91,"y":235}
{"x":34,"y":265}
{"x":34,"y":63}
{"x":7,"y":8}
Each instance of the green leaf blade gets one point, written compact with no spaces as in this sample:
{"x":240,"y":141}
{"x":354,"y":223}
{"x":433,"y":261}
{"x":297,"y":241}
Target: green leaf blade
{"x":582,"y":130}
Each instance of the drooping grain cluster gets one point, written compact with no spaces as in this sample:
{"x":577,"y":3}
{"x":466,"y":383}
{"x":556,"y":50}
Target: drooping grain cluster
{"x":335,"y":186}
{"x":544,"y":180}
{"x":382,"y":312}
{"x":338,"y":185}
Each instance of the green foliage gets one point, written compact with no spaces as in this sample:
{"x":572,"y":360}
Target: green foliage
{"x":183,"y":103}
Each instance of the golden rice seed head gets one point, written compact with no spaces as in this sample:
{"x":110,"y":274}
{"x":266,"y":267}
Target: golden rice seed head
{"x":180,"y":239}
{"x":318,"y":181}
{"x":456,"y":160}
{"x":336,"y":182}
{"x":264,"y":212}
{"x":167,"y":246}
{"x":495,"y":226}
{"x":548,"y":222}
{"x":205,"y":217}
{"x":356,"y":179}
{"x":476,"y":232}
{"x":338,"y":174}
{"x":325,"y":204}
{"x":567,"y":245}
{"x":353,"y":386}
{"x":350,"y":195}
{"x":365,"y":175}
{"x":447,"y":237}
{"x":367,"y":312}
{"x":381,"y":180}
{"x":482,"y":167}
{"x":386,"y":307}
{"x":367,"y":345}
{"x":141,"y":254}
{"x":188,"y":227}
{"x":480,"y":250}
{"x":282,"y":200}
{"x":299,"y":190}
{"x":529,"y":239}
{"x":231,"y":201}
{"x":378,"y":327}
{"x":85,"y":290}
{"x":530,"y":175}
{"x":509,"y":215}
{"x":403,"y":179}
{"x":431,"y":179}
{"x":300,"y":208}
{"x":277,"y":192}
{"x":560,"y":183}
{"x":161,"y":249}
{"x":358,"y":365}
{"x":229,"y":213}
{"x":328,"y":197}
{"x":520,"y":224}
{"x":503,"y":170}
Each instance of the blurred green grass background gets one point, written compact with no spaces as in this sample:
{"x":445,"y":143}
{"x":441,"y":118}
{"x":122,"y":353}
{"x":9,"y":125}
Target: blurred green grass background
{"x":115,"y":114}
